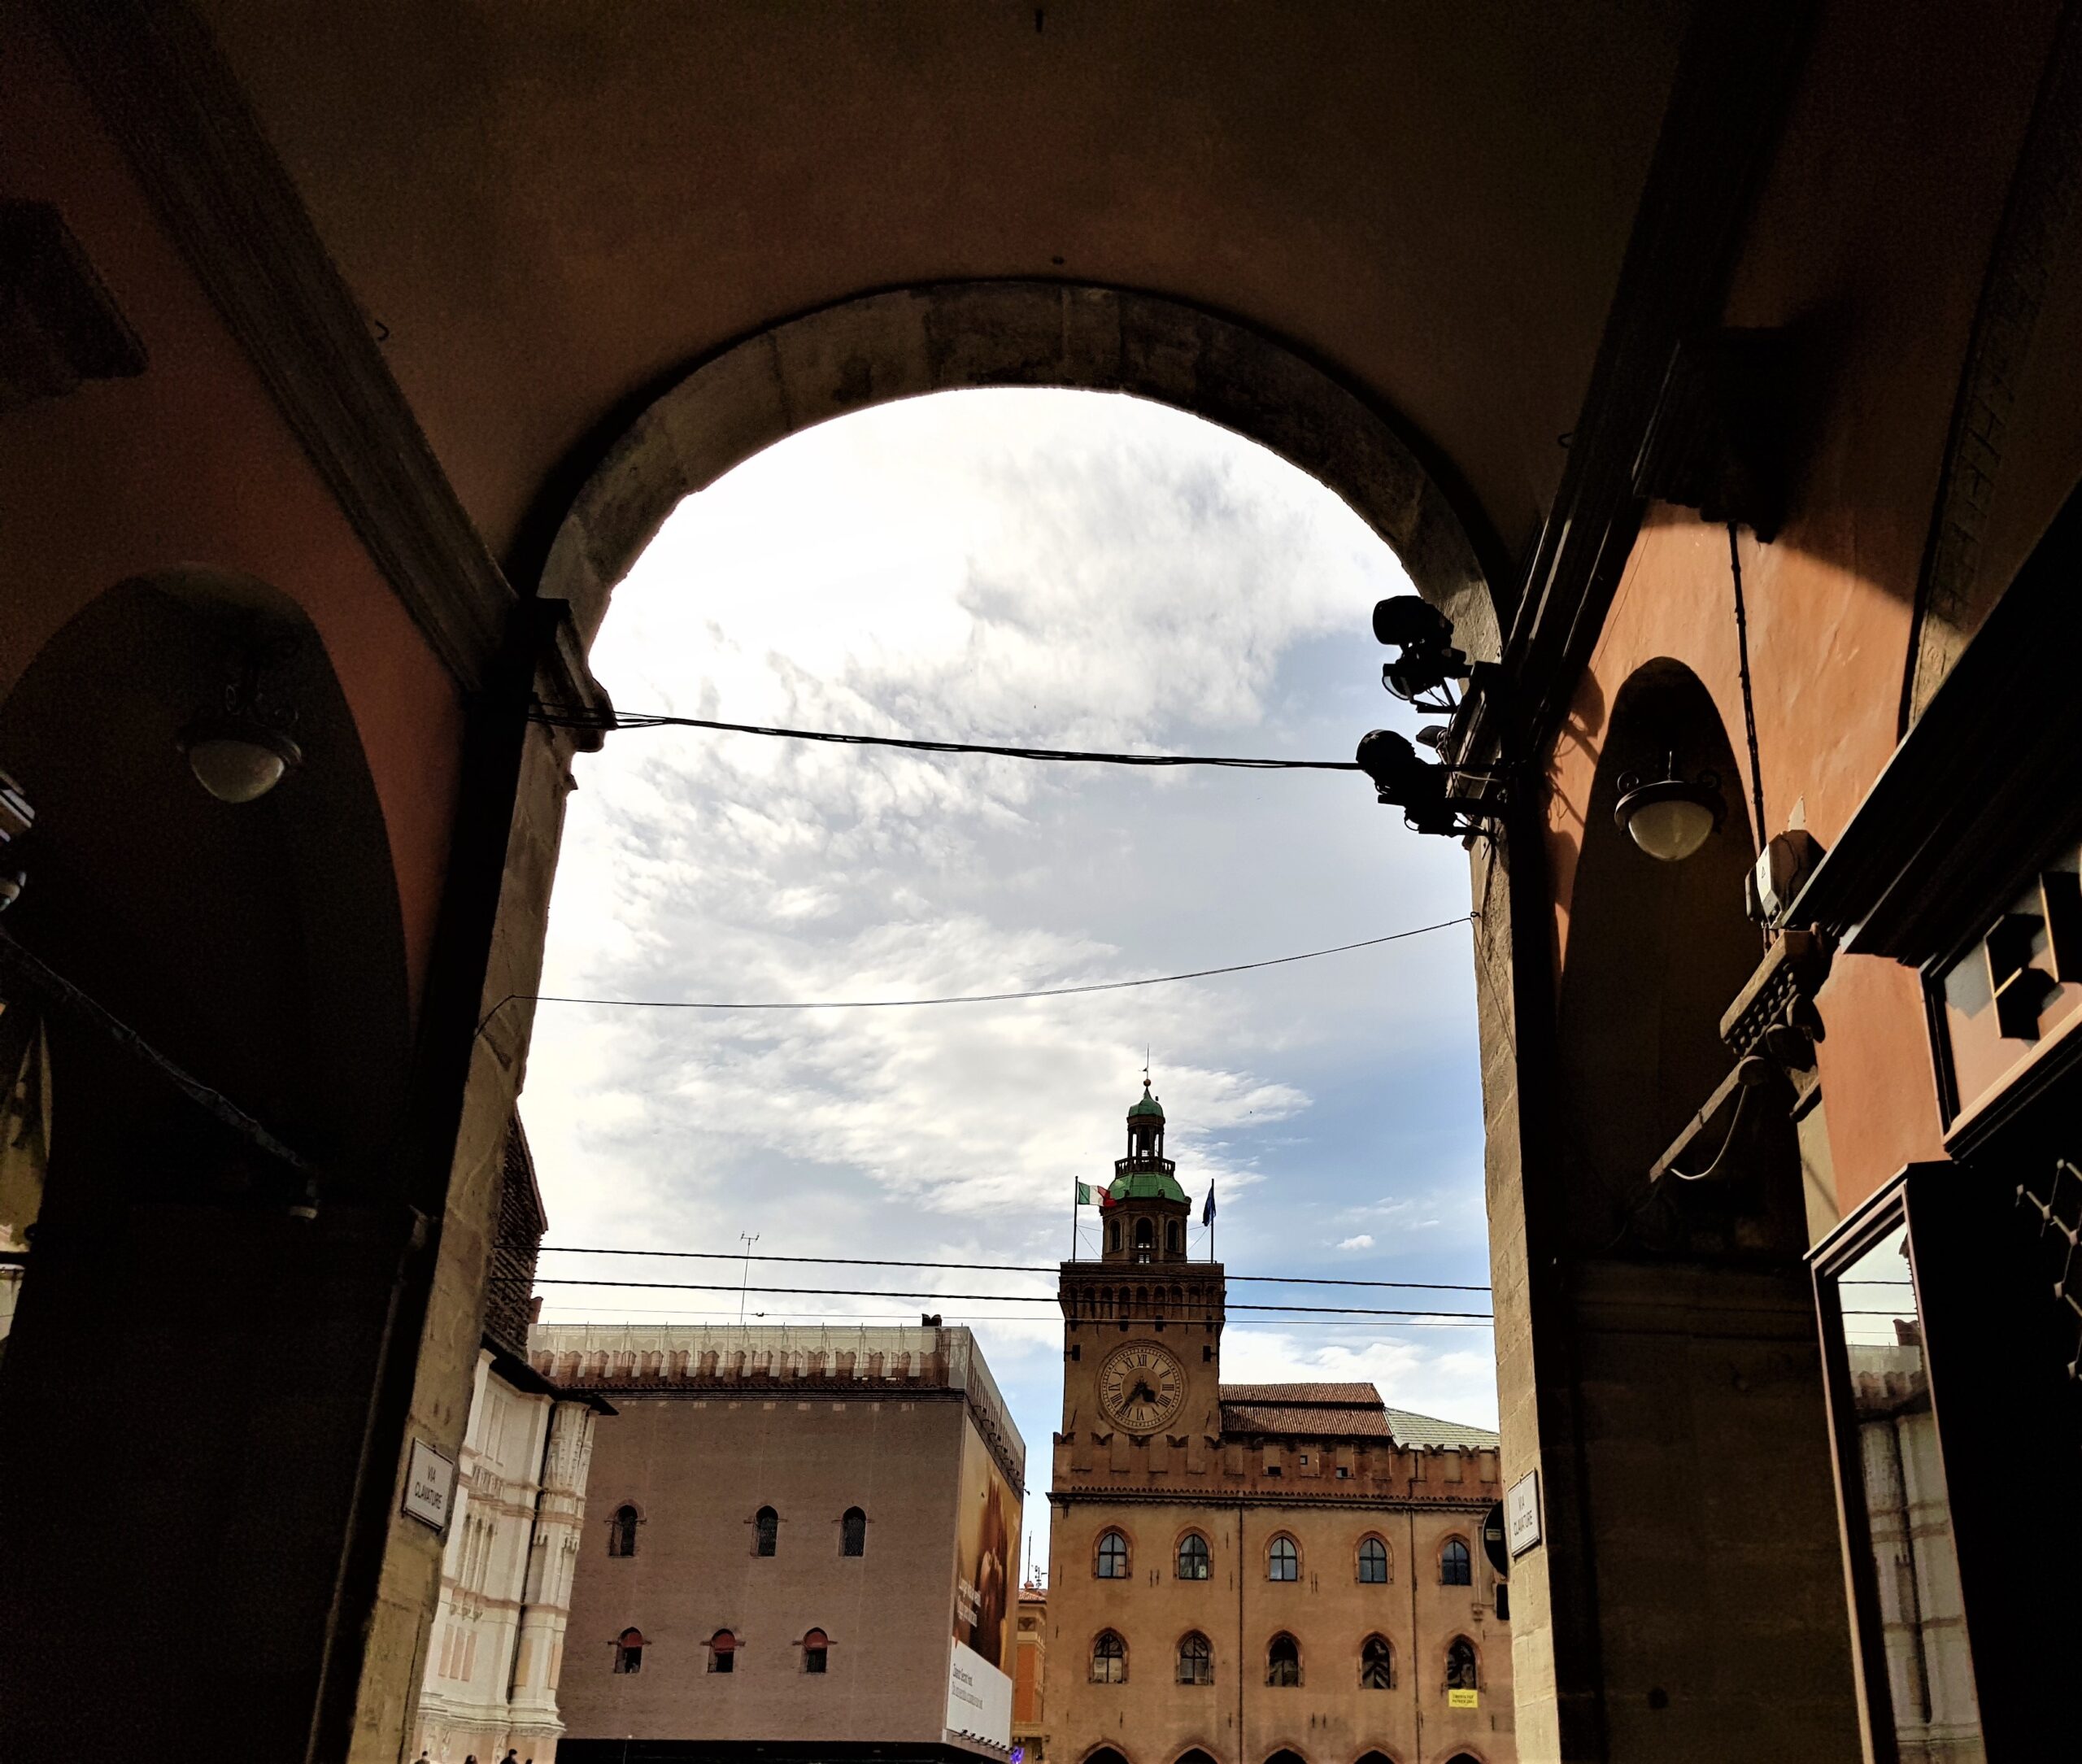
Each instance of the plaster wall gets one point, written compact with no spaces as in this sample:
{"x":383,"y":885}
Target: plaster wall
{"x":697,"y":1467}
{"x":191,"y":463}
{"x":1879,"y":295}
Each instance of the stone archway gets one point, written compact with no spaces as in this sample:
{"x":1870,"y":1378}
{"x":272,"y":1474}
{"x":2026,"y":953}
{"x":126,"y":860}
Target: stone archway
{"x":947,"y":337}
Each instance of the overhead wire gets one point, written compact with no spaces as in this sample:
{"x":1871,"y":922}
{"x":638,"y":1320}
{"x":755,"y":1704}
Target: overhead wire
{"x":850,"y":1318}
{"x":966,"y":997}
{"x":984,"y":1267}
{"x":987,"y":1298}
{"x":557,"y":716}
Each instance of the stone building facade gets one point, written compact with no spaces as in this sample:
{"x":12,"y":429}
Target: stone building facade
{"x":803,"y":1545}
{"x":1245,"y":1573}
{"x":496,"y":1645}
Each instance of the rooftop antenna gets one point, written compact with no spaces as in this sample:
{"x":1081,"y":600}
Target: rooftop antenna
{"x":748,"y":1238}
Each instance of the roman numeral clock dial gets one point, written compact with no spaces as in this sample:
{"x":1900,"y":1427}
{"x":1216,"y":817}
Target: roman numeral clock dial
{"x":1141,"y":1387}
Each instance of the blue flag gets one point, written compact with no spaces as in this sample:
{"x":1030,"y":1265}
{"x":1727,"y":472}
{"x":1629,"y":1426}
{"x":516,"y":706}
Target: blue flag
{"x":1207,"y":1212}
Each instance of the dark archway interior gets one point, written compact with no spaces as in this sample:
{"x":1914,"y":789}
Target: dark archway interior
{"x":176,"y":1310}
{"x":1707,"y":1490}
{"x":1656,"y":952}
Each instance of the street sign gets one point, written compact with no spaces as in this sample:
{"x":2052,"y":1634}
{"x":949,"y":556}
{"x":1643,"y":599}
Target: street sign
{"x":429,"y":1486}
{"x":1463,"y":1699}
{"x":1492,"y":1540}
{"x":1521,"y":1511}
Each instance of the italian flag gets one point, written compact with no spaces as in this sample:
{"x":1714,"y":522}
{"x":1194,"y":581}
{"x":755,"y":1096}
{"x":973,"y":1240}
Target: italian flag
{"x":1088,"y":1196}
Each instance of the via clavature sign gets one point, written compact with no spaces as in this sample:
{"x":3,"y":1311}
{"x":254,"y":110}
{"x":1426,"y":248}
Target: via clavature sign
{"x":429,"y":1486}
{"x":1521,"y":1514}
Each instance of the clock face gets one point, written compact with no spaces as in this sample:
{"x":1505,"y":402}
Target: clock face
{"x":1141,"y":1387}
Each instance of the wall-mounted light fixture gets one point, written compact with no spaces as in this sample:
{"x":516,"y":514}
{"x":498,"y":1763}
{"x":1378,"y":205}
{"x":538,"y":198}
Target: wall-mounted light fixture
{"x":241,"y":751}
{"x":1672,"y":816}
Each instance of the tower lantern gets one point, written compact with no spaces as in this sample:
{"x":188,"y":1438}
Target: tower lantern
{"x":1146,"y":1209}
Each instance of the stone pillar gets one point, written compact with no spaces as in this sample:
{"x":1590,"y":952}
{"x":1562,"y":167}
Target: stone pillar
{"x":553,"y":1555}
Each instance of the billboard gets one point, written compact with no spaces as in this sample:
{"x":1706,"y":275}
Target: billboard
{"x":986,"y":1535}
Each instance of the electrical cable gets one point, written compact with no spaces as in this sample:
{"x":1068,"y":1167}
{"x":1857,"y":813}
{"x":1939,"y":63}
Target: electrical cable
{"x":967,"y":997}
{"x":898,"y":1318}
{"x":985,"y":1267}
{"x":557,"y":716}
{"x":1749,"y":700}
{"x":990,"y":1298}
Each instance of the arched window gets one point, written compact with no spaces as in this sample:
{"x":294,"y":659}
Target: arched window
{"x":1145,"y":1234}
{"x":629,"y":1651}
{"x":722,"y":1652}
{"x":1196,"y":1660}
{"x":1373,"y":1562}
{"x":1175,"y":1237}
{"x":1377,"y":1664}
{"x":1283,"y":1561}
{"x":1113,"y":1556}
{"x":621,"y":1532}
{"x":814,"y":1646}
{"x":766,"y":1531}
{"x":1110,"y":1659}
{"x":1113,"y":1235}
{"x":1283,"y":1661}
{"x":853,"y":1533}
{"x":1461,"y":1673}
{"x":1456,"y":1566}
{"x":1195,"y":1563}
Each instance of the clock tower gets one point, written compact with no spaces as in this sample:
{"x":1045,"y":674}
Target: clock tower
{"x":1257,"y":1570}
{"x":1142,"y":1326}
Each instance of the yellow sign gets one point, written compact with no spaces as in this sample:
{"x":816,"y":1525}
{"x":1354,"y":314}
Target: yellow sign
{"x":1463,"y":1699}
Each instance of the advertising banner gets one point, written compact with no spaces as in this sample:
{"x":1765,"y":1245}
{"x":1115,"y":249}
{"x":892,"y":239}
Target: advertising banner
{"x":978,"y":1700}
{"x":987,"y":1534}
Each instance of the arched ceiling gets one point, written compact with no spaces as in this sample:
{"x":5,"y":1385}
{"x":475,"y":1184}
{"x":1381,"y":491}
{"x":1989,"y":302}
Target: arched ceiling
{"x":548,"y":210}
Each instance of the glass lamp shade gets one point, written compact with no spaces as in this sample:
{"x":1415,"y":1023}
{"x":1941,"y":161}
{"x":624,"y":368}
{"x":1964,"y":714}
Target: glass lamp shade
{"x":1670,"y":816}
{"x":237,"y":760}
{"x":1671,"y":830}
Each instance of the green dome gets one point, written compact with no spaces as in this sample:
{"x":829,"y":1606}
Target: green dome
{"x":1146,"y":1185}
{"x":1149,"y":1105}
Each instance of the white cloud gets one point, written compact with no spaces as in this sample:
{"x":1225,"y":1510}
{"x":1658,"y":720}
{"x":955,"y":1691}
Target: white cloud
{"x":1033,"y":569}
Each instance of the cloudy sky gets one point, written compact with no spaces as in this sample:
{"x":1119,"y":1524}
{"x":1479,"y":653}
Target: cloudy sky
{"x":1037,"y":568}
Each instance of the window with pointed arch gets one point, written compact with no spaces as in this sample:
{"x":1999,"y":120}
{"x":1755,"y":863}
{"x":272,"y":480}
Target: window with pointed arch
{"x":1462,"y":1670}
{"x":766,"y":1531}
{"x":1112,"y":1563}
{"x":1196,"y":1660}
{"x":1195,"y":1561}
{"x":1455,"y":1565}
{"x":816,"y":1645}
{"x":1377,"y":1664}
{"x":1110,"y":1659}
{"x":629,"y":1651}
{"x":1373,"y":1562}
{"x":1283,"y":1560}
{"x":723,"y":1652}
{"x":1283,"y":1661}
{"x":621,"y":1531}
{"x":853,"y":1533}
